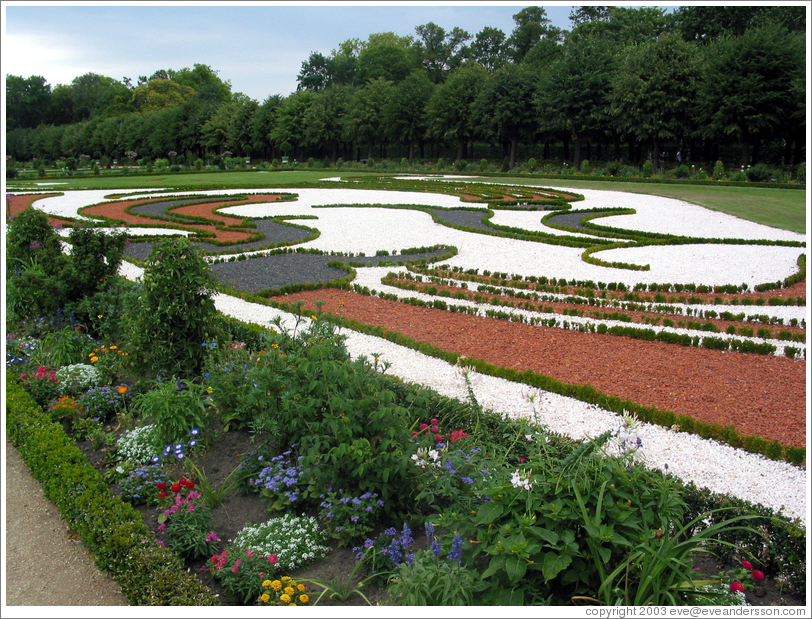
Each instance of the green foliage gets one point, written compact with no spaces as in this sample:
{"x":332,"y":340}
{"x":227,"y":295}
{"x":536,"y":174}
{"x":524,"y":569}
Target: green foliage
{"x":242,"y":572}
{"x":75,"y":379}
{"x":174,"y":314}
{"x":718,"y":171}
{"x":432,"y":581}
{"x":585,"y":167}
{"x":800,"y":175}
{"x":95,"y":258}
{"x":296,"y":541}
{"x":648,"y":169}
{"x":174,"y":408}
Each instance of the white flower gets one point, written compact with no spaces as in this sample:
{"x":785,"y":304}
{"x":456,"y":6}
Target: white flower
{"x":521,"y":479}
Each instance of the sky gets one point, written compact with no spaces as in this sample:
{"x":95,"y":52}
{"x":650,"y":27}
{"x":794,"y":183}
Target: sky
{"x":257,"y":46}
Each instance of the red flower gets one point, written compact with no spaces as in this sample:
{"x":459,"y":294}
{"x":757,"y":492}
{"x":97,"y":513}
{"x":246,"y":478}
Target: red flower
{"x":736,"y":586}
{"x":434,"y":422}
{"x":423,"y":426}
{"x":438,"y":437}
{"x":435,"y":428}
{"x":190,"y":484}
{"x":414,"y":433}
{"x":272,"y":558}
{"x":182,"y":481}
{"x":521,"y":459}
{"x":161,"y":495}
{"x":161,"y":485}
{"x":175,"y":487}
{"x":757,"y":575}
{"x":747,"y":565}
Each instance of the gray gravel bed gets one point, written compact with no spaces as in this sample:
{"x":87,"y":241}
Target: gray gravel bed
{"x":575,"y":219}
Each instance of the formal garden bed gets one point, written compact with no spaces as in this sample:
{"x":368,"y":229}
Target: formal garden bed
{"x":458,"y":477}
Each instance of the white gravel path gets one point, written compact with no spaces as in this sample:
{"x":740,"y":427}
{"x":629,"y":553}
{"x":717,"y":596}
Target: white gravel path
{"x":719,"y":467}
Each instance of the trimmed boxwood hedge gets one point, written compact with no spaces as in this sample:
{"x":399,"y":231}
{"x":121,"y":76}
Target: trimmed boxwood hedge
{"x":110,"y":528}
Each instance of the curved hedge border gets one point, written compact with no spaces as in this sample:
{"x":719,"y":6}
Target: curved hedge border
{"x":110,"y":528}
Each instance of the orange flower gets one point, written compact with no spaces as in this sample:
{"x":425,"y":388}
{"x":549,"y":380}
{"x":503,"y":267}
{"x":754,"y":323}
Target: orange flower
{"x":122,"y":389}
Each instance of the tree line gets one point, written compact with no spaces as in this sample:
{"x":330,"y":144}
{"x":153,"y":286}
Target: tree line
{"x":627,"y":83}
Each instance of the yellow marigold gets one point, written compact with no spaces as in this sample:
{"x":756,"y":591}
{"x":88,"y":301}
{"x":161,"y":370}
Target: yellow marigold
{"x":301,"y":588}
{"x":113,"y":347}
{"x":314,"y":317}
{"x":292,"y":604}
{"x":285,"y":578}
{"x":266,"y":583}
{"x":290,"y":590}
{"x":264,"y":598}
{"x":276,"y":585}
{"x":304,"y":599}
{"x":93,"y":359}
{"x":284,"y":598}
{"x":274,"y":345}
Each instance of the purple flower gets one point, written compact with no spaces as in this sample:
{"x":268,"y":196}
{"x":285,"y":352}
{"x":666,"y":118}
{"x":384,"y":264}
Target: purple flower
{"x":455,"y":554}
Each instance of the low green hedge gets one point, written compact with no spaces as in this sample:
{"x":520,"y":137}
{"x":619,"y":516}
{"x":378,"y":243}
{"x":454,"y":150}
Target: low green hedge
{"x":110,"y":528}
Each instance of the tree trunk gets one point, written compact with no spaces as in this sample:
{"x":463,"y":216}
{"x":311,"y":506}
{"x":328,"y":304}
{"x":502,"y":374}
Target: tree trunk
{"x":411,"y":150}
{"x":745,"y":151}
{"x":655,"y":154}
{"x":514,"y":146}
{"x":576,"y":150}
{"x":461,"y":148}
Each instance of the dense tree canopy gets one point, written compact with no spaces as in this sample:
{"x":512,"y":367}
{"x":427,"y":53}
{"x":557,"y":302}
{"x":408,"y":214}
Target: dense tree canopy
{"x":699,"y":78}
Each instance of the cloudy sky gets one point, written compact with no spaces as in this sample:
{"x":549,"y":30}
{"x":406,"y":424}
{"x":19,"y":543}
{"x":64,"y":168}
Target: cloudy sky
{"x":258,"y":46}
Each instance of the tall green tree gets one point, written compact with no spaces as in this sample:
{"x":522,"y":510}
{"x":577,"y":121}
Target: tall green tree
{"x":261,"y":124}
{"x":654,"y":89}
{"x":315,"y":74}
{"x":489,"y":48}
{"x":533,"y":28}
{"x":365,"y":120}
{"x":706,"y":23}
{"x":452,"y":107}
{"x":388,"y":56}
{"x":440,"y":50}
{"x":288,"y":132}
{"x":573,"y":94}
{"x":28,"y":101}
{"x":750,"y":85}
{"x":406,"y":115}
{"x":505,"y":107}
{"x":324,"y":119}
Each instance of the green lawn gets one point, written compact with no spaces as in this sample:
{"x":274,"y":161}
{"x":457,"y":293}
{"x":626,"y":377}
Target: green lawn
{"x":780,"y":208}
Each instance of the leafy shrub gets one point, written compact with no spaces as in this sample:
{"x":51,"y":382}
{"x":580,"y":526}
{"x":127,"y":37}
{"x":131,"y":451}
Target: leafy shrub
{"x":104,"y":402}
{"x":173,"y":408}
{"x":242,"y":572}
{"x":800,"y":175}
{"x":759,"y":173}
{"x":138,"y":487}
{"x":648,"y":168}
{"x":586,"y":169}
{"x":174,"y":313}
{"x":718,"y":171}
{"x":613,"y":168}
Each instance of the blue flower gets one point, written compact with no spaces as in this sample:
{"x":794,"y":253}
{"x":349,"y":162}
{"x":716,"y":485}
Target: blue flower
{"x":156,"y":459}
{"x":194,"y":431}
{"x":429,"y":529}
{"x":192,"y":443}
{"x":180,"y":455}
{"x":455,"y":554}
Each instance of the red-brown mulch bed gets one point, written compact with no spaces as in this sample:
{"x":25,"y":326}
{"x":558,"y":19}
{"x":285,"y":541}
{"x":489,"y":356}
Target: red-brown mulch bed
{"x":760,"y":395}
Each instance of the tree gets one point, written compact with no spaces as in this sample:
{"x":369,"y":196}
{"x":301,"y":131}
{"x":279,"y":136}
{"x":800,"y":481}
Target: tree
{"x":505,"y":107}
{"x":439,"y":51}
{"x":262,"y":122}
{"x":315,"y":73}
{"x":386,"y":56}
{"x":28,"y":101}
{"x":365,"y":121}
{"x":488,"y":48}
{"x":324,"y":119}
{"x":573,"y":95}
{"x":452,"y":107}
{"x":203,"y":80}
{"x":654,"y":89}
{"x":532,"y":27}
{"x":90,"y":93}
{"x":288,"y":132}
{"x":406,"y":113}
{"x":706,"y":23}
{"x":749,"y":85}
{"x":159,"y":93}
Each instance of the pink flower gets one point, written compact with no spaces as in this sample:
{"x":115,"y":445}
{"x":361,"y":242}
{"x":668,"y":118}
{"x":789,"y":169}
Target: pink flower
{"x":438,"y":437}
{"x":272,"y":558}
{"x":423,"y":426}
{"x":747,"y":565}
{"x":236,"y":566}
{"x":435,"y":428}
{"x":736,"y":586}
{"x":435,"y":421}
{"x":162,"y":526}
{"x":249,"y":553}
{"x":521,"y":459}
{"x":22,"y":376}
{"x":757,"y":575}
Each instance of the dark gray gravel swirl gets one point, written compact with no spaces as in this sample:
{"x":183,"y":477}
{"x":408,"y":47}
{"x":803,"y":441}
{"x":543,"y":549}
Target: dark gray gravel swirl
{"x":575,"y":219}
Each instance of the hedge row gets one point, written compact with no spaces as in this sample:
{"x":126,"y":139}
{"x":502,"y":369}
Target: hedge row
{"x":110,"y":528}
